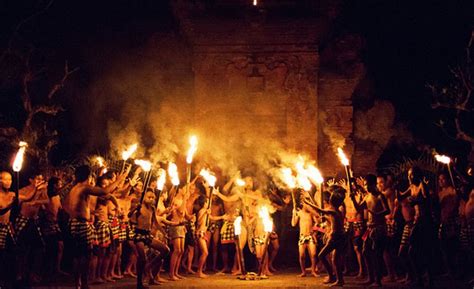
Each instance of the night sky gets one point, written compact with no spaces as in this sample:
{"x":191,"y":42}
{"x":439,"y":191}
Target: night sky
{"x":408,"y":44}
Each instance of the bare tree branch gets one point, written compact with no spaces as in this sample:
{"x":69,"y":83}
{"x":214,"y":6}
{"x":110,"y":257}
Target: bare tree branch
{"x":60,"y":85}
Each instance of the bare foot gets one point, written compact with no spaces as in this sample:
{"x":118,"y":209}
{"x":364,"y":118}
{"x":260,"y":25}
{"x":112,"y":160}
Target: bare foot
{"x":237,"y":272}
{"x":302,"y":274}
{"x":315,"y":274}
{"x":337,"y":284}
{"x":268,"y":273}
{"x":160,"y":280}
{"x":130,"y":273}
{"x":173,"y":278}
{"x":117,"y":276}
{"x":108,"y":279}
{"x":272,"y":269}
{"x":180,"y":277}
{"x":329,"y":280}
{"x":202,"y":275}
{"x":190,"y":272}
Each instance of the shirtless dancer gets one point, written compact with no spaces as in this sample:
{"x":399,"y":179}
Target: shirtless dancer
{"x":177,"y":233}
{"x":377,"y":207}
{"x":27,"y":230}
{"x":306,"y":241}
{"x":449,"y":227}
{"x":77,"y":205}
{"x":7,"y":200}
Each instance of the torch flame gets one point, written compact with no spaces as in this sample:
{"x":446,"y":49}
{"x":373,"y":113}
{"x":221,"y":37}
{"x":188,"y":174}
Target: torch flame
{"x":209,"y":177}
{"x":173,"y":173}
{"x":192,"y":150}
{"x":255,"y":2}
{"x":443,"y":159}
{"x":161,"y":180}
{"x":237,"y":226}
{"x":288,"y":178}
{"x":314,"y":174}
{"x":18,"y":162}
{"x":146,"y":165}
{"x":342,"y":157}
{"x":100,"y":161}
{"x":302,"y":176}
{"x":267,"y":221}
{"x":239,"y":182}
{"x":129,"y":152}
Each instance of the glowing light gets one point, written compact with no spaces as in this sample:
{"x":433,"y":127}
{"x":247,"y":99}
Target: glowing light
{"x":208,"y":176}
{"x":288,"y":178}
{"x":240,"y":182}
{"x":192,"y":150}
{"x":443,"y":159}
{"x":161,"y":180}
{"x":145,"y":165}
{"x":302,"y":175}
{"x":129,"y":152}
{"x":18,"y":162}
{"x":237,"y":226}
{"x":342,"y":157}
{"x":266,"y":219}
{"x":314,"y":174}
{"x":255,"y":2}
{"x":100,"y":161}
{"x":173,"y":173}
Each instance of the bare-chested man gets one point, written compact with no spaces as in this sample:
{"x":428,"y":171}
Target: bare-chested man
{"x":335,"y":236}
{"x":389,"y":253}
{"x":7,"y":200}
{"x":27,"y":230}
{"x":177,"y":233}
{"x":377,"y":207}
{"x":306,"y":241}
{"x":217,"y":209}
{"x":190,"y":229}
{"x":77,"y":205}
{"x":449,"y":227}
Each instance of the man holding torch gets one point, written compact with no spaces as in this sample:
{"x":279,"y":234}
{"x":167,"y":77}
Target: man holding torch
{"x":7,"y":200}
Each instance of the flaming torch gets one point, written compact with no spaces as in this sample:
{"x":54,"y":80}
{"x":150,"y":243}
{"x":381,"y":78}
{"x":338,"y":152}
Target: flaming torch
{"x":189,"y":159}
{"x":315,"y":176}
{"x":237,"y":233}
{"x":211,"y":180}
{"x":290,"y":181}
{"x":102,"y":166}
{"x":239,"y":182}
{"x":160,"y":183}
{"x":18,"y":163}
{"x":173,"y":174}
{"x":268,"y":228}
{"x":255,"y":2}
{"x":128,"y":153}
{"x":146,"y":167}
{"x":345,"y":163}
{"x":447,"y":161}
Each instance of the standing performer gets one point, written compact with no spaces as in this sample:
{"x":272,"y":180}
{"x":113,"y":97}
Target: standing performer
{"x":217,"y":209}
{"x":177,"y":233}
{"x":7,"y":201}
{"x":77,"y":204}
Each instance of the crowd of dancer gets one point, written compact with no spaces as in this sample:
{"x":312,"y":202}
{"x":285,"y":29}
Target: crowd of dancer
{"x":115,"y":225}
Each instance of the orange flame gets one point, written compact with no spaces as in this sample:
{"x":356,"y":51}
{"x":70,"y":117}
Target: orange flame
{"x":255,"y":2}
{"x":18,"y":162}
{"x":161,"y":180}
{"x":237,"y":226}
{"x":239,"y":182}
{"x":267,"y":220}
{"x":314,"y":174}
{"x":100,"y":161}
{"x":192,"y":150}
{"x":342,"y":157}
{"x":288,"y":178}
{"x":129,"y":152}
{"x":145,"y":165}
{"x":208,"y":176}
{"x":443,"y":159}
{"x":302,"y":175}
{"x":173,"y":173}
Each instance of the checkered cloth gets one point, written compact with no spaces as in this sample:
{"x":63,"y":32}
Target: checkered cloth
{"x":131,"y":231}
{"x":391,"y":228}
{"x":200,"y":235}
{"x":50,"y":228}
{"x":20,"y":224}
{"x":227,"y":233}
{"x":103,"y":234}
{"x":355,"y":229}
{"x":123,"y":231}
{"x":407,"y":229}
{"x":450,"y":228}
{"x":258,"y":240}
{"x":214,"y":226}
{"x":305,"y":239}
{"x":175,"y":232}
{"x":144,"y":236}
{"x":82,"y":233}
{"x":114,"y":227}
{"x":5,"y":232}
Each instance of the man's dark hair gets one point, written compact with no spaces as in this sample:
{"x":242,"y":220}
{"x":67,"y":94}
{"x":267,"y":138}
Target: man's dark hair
{"x":383,"y":176}
{"x":52,"y":182}
{"x":337,"y":195}
{"x":82,"y":173}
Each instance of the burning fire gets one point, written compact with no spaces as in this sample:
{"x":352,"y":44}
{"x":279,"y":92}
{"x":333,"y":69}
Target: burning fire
{"x":255,"y":2}
{"x":342,"y":157}
{"x":288,"y":178}
{"x":302,"y":175}
{"x":443,"y":159}
{"x":18,"y":162}
{"x":129,"y":152}
{"x":192,"y":150}
{"x":267,"y":221}
{"x":239,"y":182}
{"x":209,"y":177}
{"x":161,"y":180}
{"x":173,"y":173}
{"x":314,"y":174}
{"x":145,"y":165}
{"x":237,"y":226}
{"x":100,"y":161}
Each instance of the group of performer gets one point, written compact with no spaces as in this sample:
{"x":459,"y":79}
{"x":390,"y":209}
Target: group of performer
{"x":115,"y":225}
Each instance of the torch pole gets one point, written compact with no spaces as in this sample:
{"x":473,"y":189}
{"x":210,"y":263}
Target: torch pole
{"x":321,"y":198}
{"x":209,"y":206}
{"x":293,"y":198}
{"x":123,"y":166}
{"x":17,"y":193}
{"x":348,"y":174}
{"x":264,"y":254}
{"x":451,"y":175}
